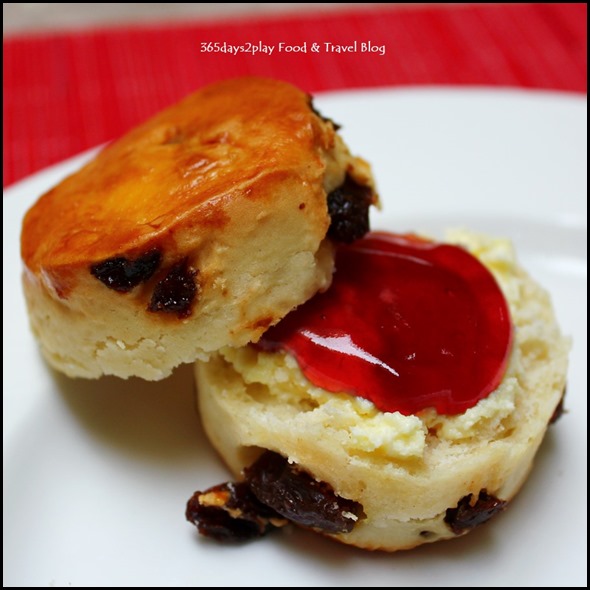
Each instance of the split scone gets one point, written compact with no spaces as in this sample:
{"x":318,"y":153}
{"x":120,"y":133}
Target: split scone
{"x":351,"y":465}
{"x":197,"y":230}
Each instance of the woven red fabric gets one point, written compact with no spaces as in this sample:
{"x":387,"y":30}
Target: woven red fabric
{"x":66,"y":92}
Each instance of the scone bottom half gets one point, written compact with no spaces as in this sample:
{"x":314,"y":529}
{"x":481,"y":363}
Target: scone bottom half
{"x":339,"y":465}
{"x":197,"y":230}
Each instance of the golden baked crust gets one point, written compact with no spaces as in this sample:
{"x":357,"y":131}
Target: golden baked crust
{"x":405,"y":471}
{"x":229,"y":188}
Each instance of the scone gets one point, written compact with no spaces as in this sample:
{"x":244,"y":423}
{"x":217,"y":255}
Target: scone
{"x":197,"y":230}
{"x":359,"y":470}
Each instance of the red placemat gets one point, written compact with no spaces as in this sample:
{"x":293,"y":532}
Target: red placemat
{"x":64,"y":93}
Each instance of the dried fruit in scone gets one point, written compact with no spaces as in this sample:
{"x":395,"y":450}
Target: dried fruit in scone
{"x":410,"y":398}
{"x":198,"y":229}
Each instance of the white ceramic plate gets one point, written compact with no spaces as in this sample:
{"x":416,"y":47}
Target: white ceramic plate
{"x":97,"y":473}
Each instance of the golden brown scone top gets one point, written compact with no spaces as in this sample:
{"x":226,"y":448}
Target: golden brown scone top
{"x":178,"y":169}
{"x":196,"y":230}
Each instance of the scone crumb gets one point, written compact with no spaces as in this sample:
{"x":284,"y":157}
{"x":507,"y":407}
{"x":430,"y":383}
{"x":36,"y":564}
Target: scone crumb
{"x":214,"y":498}
{"x":350,"y":515}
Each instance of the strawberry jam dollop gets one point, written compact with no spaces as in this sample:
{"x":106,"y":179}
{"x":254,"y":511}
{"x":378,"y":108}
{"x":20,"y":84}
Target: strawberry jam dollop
{"x":407,"y":323}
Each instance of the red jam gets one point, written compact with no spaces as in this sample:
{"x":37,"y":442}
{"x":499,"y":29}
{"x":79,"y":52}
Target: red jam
{"x":407,"y":323}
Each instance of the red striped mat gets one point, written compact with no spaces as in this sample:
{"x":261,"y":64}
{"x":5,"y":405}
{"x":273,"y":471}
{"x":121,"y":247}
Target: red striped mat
{"x":66,"y":92}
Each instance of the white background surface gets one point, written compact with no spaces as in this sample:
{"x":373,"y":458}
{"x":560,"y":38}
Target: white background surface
{"x":97,"y":473}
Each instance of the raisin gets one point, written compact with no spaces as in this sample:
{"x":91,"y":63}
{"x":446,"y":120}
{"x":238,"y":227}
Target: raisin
{"x":559,"y":410}
{"x":348,"y":207}
{"x":122,"y":274}
{"x":230,"y":512}
{"x":297,"y":496}
{"x":467,"y":515}
{"x":317,"y":113}
{"x":176,"y":292}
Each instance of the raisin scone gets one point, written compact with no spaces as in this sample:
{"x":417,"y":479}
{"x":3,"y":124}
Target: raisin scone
{"x":341,"y":465}
{"x":197,"y":230}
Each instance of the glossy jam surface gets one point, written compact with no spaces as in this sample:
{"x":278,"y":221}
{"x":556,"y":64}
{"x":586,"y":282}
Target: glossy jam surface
{"x":407,"y":323}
